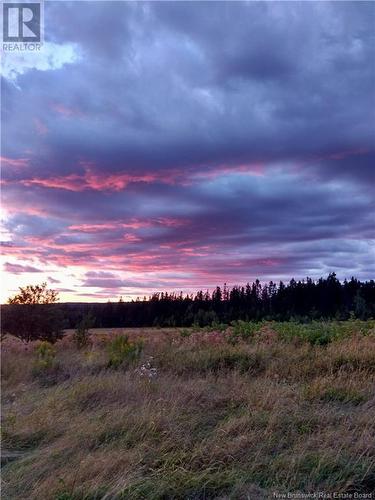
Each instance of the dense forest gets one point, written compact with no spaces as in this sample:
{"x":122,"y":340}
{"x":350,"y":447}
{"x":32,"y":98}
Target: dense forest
{"x":304,"y":300}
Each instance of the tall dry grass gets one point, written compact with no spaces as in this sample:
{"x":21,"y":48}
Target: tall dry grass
{"x":217,"y":421}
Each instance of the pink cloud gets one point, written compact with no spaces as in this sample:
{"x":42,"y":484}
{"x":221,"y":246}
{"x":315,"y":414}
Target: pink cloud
{"x":91,"y":180}
{"x":64,"y":110}
{"x":131,"y":238}
{"x":71,"y":182}
{"x":93,"y":228}
{"x":131,"y":224}
{"x":15,"y":162}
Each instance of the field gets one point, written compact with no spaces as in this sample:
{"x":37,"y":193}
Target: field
{"x":241,"y":412}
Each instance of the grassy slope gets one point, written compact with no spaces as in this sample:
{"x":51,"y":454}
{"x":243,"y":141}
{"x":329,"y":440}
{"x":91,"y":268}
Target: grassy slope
{"x":269,"y":413}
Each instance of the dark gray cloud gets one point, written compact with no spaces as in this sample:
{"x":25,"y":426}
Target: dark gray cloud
{"x":221,"y":137}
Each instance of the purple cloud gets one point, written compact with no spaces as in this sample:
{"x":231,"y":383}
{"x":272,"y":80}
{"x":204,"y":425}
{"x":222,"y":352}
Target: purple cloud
{"x":19,"y":269}
{"x":195,"y":143}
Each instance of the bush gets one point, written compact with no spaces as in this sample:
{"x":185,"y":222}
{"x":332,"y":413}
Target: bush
{"x":315,"y":332}
{"x":185,"y":333}
{"x":123,"y":352}
{"x":219,"y":327}
{"x":244,"y":329}
{"x":81,"y":337}
{"x":45,"y":367}
{"x":319,"y":337}
{"x":46,"y":354}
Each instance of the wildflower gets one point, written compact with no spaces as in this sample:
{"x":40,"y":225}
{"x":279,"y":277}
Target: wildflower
{"x":146,"y":370}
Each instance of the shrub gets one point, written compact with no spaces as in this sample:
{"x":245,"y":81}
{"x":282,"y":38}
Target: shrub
{"x":123,"y":352}
{"x":45,"y":367}
{"x":81,"y":337}
{"x":244,"y":329}
{"x":289,"y":330}
{"x":315,"y":332}
{"x":46,"y":354}
{"x":185,"y":333}
{"x":219,"y":327}
{"x":322,"y":337}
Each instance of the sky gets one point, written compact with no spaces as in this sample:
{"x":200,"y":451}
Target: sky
{"x":181,"y":145}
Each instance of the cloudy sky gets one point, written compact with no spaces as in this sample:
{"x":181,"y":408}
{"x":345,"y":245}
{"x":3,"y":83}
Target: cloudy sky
{"x":177,"y":146}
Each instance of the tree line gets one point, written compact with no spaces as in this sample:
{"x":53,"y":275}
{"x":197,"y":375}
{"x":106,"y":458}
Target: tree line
{"x":306,"y":299}
{"x":35,"y":313}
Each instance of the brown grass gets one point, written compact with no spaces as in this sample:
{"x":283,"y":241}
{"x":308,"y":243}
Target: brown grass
{"x":218,"y":420}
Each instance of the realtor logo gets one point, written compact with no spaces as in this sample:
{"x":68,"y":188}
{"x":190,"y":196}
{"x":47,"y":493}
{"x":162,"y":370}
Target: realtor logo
{"x":21,"y":22}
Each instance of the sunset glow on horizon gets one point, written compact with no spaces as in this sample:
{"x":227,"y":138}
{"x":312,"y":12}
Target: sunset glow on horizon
{"x":189,"y":145}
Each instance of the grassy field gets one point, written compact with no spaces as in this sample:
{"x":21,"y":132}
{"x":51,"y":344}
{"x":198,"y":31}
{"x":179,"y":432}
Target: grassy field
{"x":241,"y":413}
